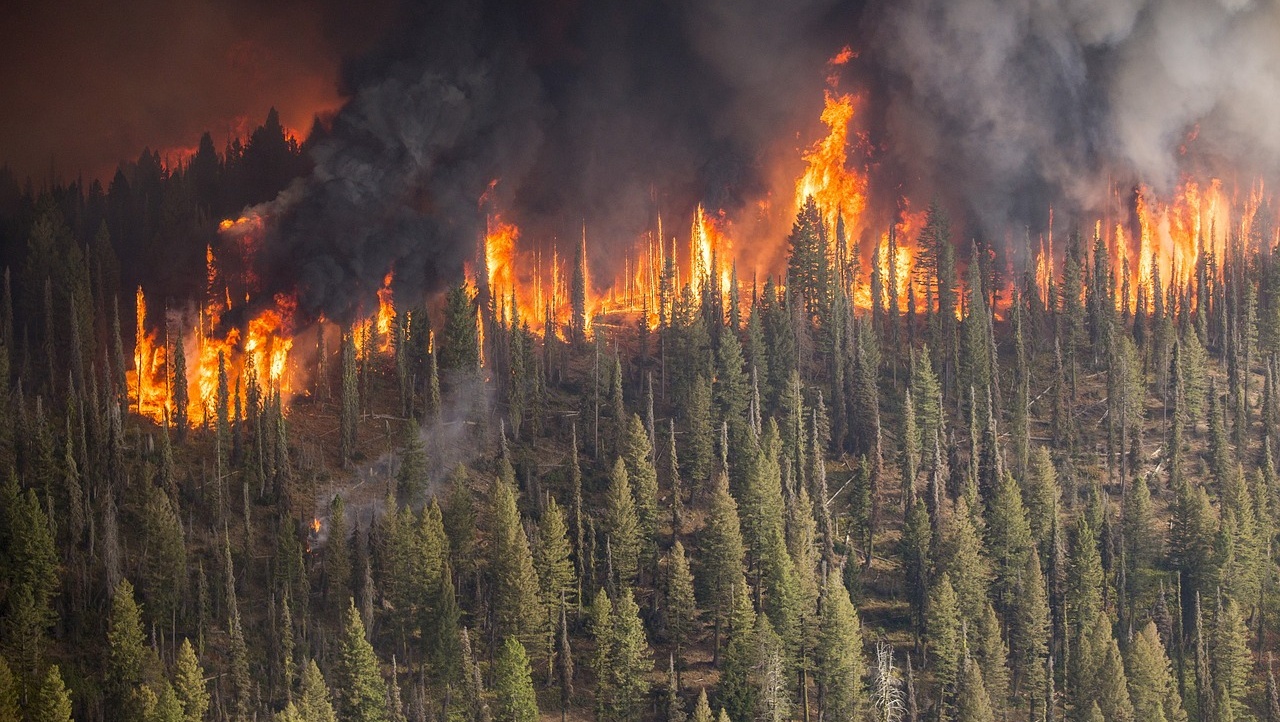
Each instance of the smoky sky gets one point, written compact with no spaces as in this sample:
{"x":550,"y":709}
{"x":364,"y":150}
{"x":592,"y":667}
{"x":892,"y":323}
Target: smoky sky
{"x":84,"y":85}
{"x":600,"y":115}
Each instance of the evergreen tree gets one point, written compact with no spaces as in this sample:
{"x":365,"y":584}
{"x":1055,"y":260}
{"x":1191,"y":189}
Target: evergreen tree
{"x":361,"y":693}
{"x":973,"y":704}
{"x":698,"y":453}
{"x":517,"y":609}
{"x":9,"y":708}
{"x":412,"y":476}
{"x":313,"y":701}
{"x":1151,"y":682}
{"x":514,"y":698}
{"x":643,"y":478}
{"x":842,"y":666}
{"x":337,"y":563}
{"x":459,"y":344}
{"x":1230,"y":660}
{"x":189,"y":684}
{"x":52,"y":700}
{"x":741,"y":657}
{"x":349,"y":414}
{"x":630,"y":661}
{"x":551,"y":560}
{"x":943,"y":626}
{"x":702,"y":709}
{"x":130,"y":664}
{"x":680,"y":611}
{"x":722,"y":554}
{"x":623,"y":525}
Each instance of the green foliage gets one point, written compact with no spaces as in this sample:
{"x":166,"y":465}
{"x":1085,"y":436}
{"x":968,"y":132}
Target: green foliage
{"x":1152,"y":684}
{"x":52,"y":701}
{"x":460,"y":343}
{"x":361,"y":693}
{"x":189,"y":684}
{"x":623,"y":527}
{"x":514,"y":698}
{"x":842,"y":664}
{"x":637,"y":456}
{"x":517,"y":607}
{"x":680,"y":612}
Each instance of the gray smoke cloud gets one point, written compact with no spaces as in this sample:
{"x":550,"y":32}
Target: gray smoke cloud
{"x":1006,"y":107}
{"x":598,"y":114}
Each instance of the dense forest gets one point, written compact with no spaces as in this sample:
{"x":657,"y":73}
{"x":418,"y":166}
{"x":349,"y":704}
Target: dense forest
{"x":999,"y":497}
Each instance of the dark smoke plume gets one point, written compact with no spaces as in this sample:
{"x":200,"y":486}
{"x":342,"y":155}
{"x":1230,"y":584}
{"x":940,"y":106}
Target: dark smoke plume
{"x":597,"y":113}
{"x":605,"y":113}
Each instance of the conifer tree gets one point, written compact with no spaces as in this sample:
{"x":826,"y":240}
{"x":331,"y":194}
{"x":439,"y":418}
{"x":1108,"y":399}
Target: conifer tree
{"x":917,"y":541}
{"x":349,"y":414}
{"x":361,"y":693}
{"x":337,"y":563}
{"x":551,"y":560}
{"x":701,"y":709}
{"x":1151,"y":682}
{"x":459,"y":343}
{"x":52,"y":700}
{"x":514,"y":698}
{"x":722,"y":554}
{"x":944,"y":636}
{"x":630,"y":661}
{"x":973,"y":704}
{"x":698,"y":454}
{"x":517,"y":609}
{"x":129,"y":663}
{"x":10,"y":710}
{"x":623,"y":525}
{"x":643,"y":478}
{"x":680,"y":609}
{"x":737,"y":693}
{"x":189,"y":684}
{"x":412,"y":476}
{"x":1230,"y":660}
{"x":964,"y":563}
{"x":1009,"y":541}
{"x":842,"y":666}
{"x":180,"y":393}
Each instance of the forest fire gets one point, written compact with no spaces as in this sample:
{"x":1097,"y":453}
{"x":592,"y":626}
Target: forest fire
{"x":1153,"y":242}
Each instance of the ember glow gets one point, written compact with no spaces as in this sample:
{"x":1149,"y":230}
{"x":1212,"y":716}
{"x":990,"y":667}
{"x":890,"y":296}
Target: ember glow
{"x":1154,"y":242}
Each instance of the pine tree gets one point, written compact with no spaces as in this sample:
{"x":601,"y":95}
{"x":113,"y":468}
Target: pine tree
{"x":517,"y":609}
{"x":1009,"y":541}
{"x":189,"y":684}
{"x":643,"y":477}
{"x":1151,"y":682}
{"x":842,"y":666}
{"x":52,"y":700}
{"x":973,"y":704}
{"x":701,"y":709}
{"x":917,"y":540}
{"x":129,"y":661}
{"x":630,"y":661}
{"x":349,"y":414}
{"x":313,"y":700}
{"x":460,"y":344}
{"x":1030,"y":627}
{"x":578,"y":292}
{"x":623,"y":525}
{"x":943,"y":634}
{"x":680,"y":609}
{"x":9,"y":708}
{"x":1230,"y":660}
{"x":514,"y":698}
{"x":673,"y":704}
{"x":180,"y":393}
{"x":551,"y":560}
{"x":337,"y":563}
{"x":722,"y":553}
{"x":412,"y":477}
{"x":600,"y":625}
{"x":737,"y":693}
{"x":361,"y":693}
{"x":963,"y":561}
{"x":698,"y":453}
